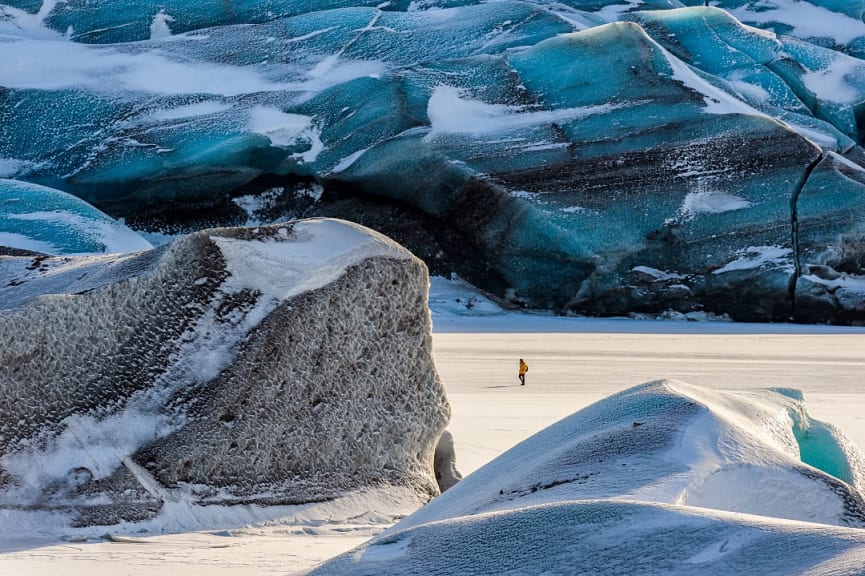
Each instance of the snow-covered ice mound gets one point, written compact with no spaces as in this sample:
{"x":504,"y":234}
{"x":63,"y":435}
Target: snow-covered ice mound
{"x":40,"y":219}
{"x":662,"y":478}
{"x":284,"y":364}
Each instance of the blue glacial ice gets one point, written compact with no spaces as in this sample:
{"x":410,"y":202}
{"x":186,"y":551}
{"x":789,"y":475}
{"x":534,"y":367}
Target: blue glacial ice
{"x":48,"y":221}
{"x":592,"y":157}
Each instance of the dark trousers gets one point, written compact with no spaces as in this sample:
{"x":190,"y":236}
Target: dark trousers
{"x":522,"y":379}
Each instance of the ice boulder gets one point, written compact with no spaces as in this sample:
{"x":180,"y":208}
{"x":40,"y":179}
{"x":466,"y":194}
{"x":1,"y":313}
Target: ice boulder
{"x":662,"y":478}
{"x":276,"y":365}
{"x":41,"y":219}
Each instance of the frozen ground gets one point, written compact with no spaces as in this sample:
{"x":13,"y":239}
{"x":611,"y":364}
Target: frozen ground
{"x":573,"y":362}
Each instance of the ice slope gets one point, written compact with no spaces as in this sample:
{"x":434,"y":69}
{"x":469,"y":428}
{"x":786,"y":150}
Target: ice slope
{"x":808,"y":87}
{"x":662,"y":478}
{"x":252,"y":367}
{"x":40,"y":219}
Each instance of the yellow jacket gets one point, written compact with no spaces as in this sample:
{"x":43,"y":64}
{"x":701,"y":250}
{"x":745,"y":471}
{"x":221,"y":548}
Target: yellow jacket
{"x":523,"y":367}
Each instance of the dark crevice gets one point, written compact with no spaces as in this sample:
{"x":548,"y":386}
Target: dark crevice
{"x":794,"y":230}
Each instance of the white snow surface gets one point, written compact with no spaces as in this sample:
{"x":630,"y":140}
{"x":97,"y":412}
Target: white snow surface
{"x":159,"y":27}
{"x":574,"y":362}
{"x":451,"y":112}
{"x":832,"y":82}
{"x":57,"y":64}
{"x":319,"y":252}
{"x":711,"y":202}
{"x":189,"y":111}
{"x":285,"y":129}
{"x":23,"y":242}
{"x":732,"y":451}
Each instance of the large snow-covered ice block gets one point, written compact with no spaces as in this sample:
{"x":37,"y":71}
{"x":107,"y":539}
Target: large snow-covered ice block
{"x":276,"y":365}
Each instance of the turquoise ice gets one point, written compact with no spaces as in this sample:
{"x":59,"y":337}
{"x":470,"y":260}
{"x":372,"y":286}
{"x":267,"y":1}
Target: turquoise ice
{"x":40,"y":219}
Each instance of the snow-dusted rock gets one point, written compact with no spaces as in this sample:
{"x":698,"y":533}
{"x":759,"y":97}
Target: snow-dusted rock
{"x":276,"y":365}
{"x":662,"y":478}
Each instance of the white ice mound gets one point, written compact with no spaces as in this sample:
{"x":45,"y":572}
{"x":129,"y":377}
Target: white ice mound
{"x":283,"y":364}
{"x":663,"y":478}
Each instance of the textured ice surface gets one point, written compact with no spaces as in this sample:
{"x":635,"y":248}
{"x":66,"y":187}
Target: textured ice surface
{"x":276,"y":365}
{"x":663,"y":478}
{"x":40,"y":219}
{"x":541,"y":150}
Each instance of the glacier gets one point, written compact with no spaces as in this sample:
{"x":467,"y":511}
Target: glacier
{"x":248,"y":367}
{"x":661,"y":478}
{"x":548,"y":153}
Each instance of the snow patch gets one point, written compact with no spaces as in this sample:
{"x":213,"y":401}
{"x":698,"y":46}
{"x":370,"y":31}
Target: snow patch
{"x":22,"y":23}
{"x":86,"y":441}
{"x":9,"y":167}
{"x":845,"y":281}
{"x":711,"y":202}
{"x":159,"y":26}
{"x":748,"y":90}
{"x":346,"y":162}
{"x":113,"y":236}
{"x":190,"y":111}
{"x":658,"y":274}
{"x":58,"y":64}
{"x":758,"y":256}
{"x":22,"y":242}
{"x":832,"y":82}
{"x":716,"y":100}
{"x":751,"y":489}
{"x":288,"y":130}
{"x":314,"y":254}
{"x":455,"y":297}
{"x":384,"y":550}
{"x":806,"y":19}
{"x":452,"y":113}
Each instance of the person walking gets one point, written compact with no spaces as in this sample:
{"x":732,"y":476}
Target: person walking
{"x":523,"y":369}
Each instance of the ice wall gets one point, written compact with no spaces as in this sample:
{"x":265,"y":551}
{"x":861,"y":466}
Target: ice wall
{"x":592,"y":157}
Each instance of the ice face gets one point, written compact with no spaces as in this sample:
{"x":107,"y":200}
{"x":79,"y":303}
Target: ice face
{"x":44,"y":220}
{"x":554,"y":149}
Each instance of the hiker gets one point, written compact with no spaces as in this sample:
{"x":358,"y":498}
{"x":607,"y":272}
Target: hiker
{"x":523,"y":369}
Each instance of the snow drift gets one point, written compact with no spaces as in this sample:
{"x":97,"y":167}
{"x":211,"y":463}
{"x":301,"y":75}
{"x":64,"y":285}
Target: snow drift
{"x":663,"y":478}
{"x":277,"y":365}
